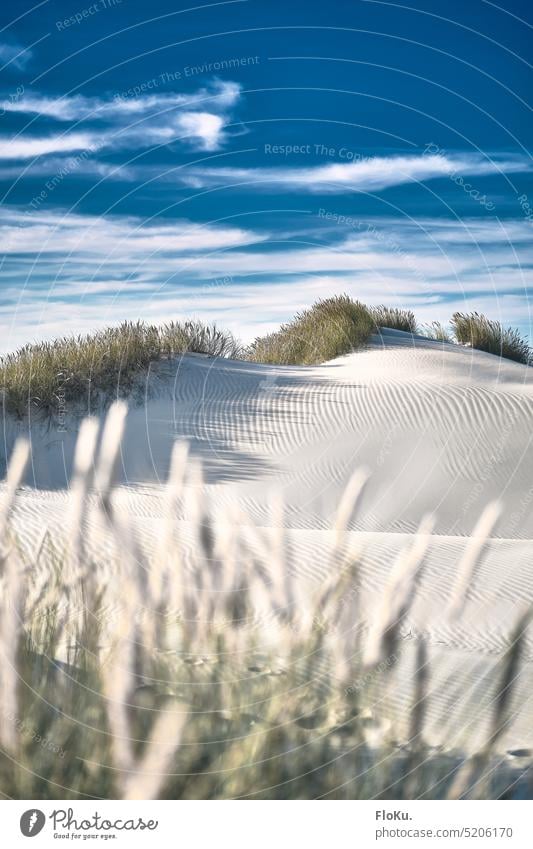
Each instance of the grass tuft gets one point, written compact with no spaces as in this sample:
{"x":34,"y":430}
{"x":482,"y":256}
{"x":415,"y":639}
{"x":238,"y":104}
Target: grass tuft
{"x":437,"y":332}
{"x":482,"y":333}
{"x":86,"y":370}
{"x":394,"y":318}
{"x":329,"y":329}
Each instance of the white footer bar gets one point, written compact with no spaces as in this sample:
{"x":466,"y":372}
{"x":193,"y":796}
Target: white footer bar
{"x":269,"y":824}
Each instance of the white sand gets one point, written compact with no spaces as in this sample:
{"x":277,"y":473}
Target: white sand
{"x":442,"y":429}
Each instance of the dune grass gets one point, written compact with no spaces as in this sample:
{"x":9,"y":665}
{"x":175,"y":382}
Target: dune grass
{"x":436,"y":331}
{"x":328,"y":329}
{"x":132,"y":675}
{"x":394,"y":319}
{"x":84,"y":371}
{"x":482,"y":333}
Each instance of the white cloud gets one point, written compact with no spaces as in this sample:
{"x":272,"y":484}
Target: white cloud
{"x":15,"y":55}
{"x":369,"y":174}
{"x":61,"y":109}
{"x":130,"y":123}
{"x":29,"y":147}
{"x":203,"y":128}
{"x":219,"y":96}
{"x":247,"y":310}
{"x":100,"y":270}
{"x":113,"y":239}
{"x":206,"y":131}
{"x":468,"y":230}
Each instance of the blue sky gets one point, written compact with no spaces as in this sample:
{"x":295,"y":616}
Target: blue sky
{"x":237,"y":160}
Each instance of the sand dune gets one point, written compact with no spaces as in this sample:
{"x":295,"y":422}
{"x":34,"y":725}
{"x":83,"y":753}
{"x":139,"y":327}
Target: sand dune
{"x":442,"y":430}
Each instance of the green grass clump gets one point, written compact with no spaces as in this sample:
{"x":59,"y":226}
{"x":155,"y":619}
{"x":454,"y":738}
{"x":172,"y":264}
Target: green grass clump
{"x":330,"y":328}
{"x":437,"y":332}
{"x":394,"y":318}
{"x":81,"y":371}
{"x":482,"y":333}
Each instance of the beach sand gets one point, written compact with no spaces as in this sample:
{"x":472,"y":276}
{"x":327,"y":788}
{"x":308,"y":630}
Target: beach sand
{"x":441,"y":429}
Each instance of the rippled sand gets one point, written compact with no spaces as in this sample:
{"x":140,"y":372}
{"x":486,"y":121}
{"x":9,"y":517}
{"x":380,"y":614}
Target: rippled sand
{"x":442,"y":429}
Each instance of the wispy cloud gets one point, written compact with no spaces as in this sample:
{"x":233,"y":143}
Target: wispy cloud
{"x":218,"y":97}
{"x":246,"y":309}
{"x":368,"y":174}
{"x":97,"y":270}
{"x":207,"y":132}
{"x":437,"y":249}
{"x":113,"y":238}
{"x":15,"y":55}
{"x":28,"y":148}
{"x":197,"y":119}
{"x":202,"y":130}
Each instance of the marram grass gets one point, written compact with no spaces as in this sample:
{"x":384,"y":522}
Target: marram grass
{"x":331,"y":327}
{"x":482,"y":333}
{"x":142,"y":676}
{"x":84,"y":372}
{"x":395,"y":319}
{"x":436,"y":331}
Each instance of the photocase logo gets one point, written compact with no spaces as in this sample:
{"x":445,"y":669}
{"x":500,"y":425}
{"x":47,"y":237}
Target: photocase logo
{"x":32,"y":822}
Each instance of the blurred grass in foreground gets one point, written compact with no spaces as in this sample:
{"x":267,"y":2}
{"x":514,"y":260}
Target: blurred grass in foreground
{"x":134,"y":676}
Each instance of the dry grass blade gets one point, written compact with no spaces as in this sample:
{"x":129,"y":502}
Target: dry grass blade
{"x":167,"y":550}
{"x":10,"y":627}
{"x":118,"y":683}
{"x":15,"y":473}
{"x":81,"y":481}
{"x":109,"y":449}
{"x":510,"y":668}
{"x":473,"y":775}
{"x":11,"y":586}
{"x":150,"y":772}
{"x":471,"y":556}
{"x":347,"y":505}
{"x":417,"y":719}
{"x":397,"y":598}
